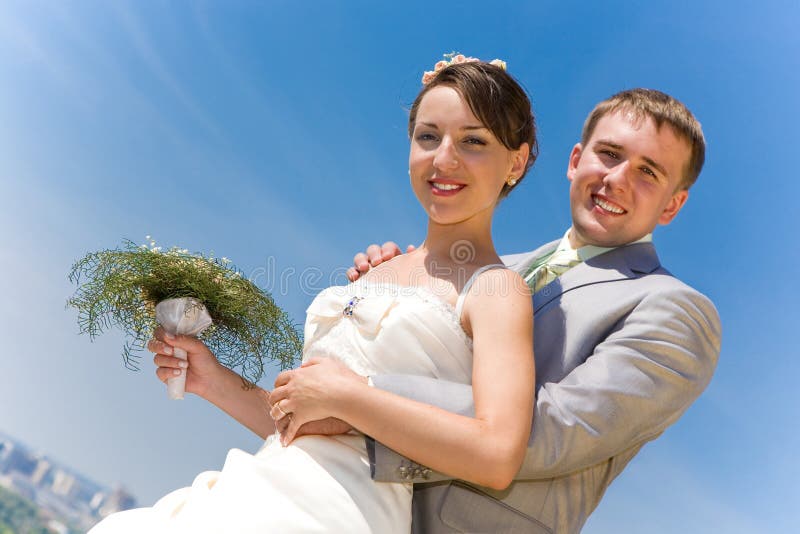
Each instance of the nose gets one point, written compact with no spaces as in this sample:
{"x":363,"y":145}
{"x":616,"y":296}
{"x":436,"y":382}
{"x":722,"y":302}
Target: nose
{"x":446,"y":158}
{"x":617,"y":177}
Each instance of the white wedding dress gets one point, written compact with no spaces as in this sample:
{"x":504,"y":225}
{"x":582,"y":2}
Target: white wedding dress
{"x":320,"y":483}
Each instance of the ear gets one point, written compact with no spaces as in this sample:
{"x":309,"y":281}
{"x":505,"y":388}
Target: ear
{"x":574,"y":159}
{"x":674,"y":205}
{"x":519,"y":159}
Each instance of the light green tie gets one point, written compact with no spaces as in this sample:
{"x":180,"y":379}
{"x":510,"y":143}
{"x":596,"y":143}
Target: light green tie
{"x":557,"y":265}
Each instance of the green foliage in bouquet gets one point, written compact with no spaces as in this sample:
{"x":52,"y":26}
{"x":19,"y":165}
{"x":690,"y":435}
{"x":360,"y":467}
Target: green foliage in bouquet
{"x":121,"y":288}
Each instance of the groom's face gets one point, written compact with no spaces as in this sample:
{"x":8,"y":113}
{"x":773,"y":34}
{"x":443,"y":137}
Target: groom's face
{"x":625,"y":181}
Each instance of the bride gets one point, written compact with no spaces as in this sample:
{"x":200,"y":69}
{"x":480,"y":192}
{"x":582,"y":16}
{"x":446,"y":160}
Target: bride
{"x":446,"y":310}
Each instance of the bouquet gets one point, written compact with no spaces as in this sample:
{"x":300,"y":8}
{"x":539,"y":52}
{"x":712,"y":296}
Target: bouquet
{"x":137,"y":287}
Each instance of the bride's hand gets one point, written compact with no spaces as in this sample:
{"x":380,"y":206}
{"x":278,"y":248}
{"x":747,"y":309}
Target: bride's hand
{"x":201,"y":365}
{"x":311,"y":393}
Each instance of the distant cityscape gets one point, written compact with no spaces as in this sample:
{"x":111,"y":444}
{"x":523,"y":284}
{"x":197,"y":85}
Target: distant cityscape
{"x":65,"y":499}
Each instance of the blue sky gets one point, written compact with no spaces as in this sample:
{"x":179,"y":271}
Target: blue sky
{"x":274,"y":133}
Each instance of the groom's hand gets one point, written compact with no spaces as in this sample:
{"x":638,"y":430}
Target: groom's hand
{"x":326,"y":427}
{"x":375,"y":255}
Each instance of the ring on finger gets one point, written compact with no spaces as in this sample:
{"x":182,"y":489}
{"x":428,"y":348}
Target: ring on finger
{"x":283,"y":414}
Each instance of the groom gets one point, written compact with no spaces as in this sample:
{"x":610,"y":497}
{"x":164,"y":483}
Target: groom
{"x":622,"y":347}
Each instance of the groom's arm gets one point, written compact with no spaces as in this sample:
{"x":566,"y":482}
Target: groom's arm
{"x":637,"y":382}
{"x":387,"y":465}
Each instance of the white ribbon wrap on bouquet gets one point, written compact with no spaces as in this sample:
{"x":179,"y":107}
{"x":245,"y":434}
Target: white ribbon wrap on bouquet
{"x":185,"y":316}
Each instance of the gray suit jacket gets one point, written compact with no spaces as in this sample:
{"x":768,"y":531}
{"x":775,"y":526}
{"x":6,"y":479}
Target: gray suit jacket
{"x":622,"y":349}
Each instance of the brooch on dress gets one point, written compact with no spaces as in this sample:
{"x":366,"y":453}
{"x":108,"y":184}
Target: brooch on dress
{"x":348,"y":310}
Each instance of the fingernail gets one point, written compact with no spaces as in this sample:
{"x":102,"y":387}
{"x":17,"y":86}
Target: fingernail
{"x":176,"y":372}
{"x":167,"y":350}
{"x":169,"y":336}
{"x":183,"y":365}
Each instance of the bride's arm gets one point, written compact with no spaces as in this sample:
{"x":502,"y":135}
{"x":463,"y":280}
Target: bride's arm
{"x":207,"y":378}
{"x":487,"y":449}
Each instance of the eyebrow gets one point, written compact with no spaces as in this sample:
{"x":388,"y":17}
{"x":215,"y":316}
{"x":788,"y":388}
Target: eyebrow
{"x":470,"y":127}
{"x":649,"y":161}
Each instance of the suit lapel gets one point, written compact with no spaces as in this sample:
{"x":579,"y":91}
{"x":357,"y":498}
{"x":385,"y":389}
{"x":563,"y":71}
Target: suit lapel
{"x":522,"y":262}
{"x":622,"y":263}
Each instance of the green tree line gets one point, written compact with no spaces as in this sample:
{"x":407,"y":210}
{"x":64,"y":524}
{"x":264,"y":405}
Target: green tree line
{"x":19,"y":516}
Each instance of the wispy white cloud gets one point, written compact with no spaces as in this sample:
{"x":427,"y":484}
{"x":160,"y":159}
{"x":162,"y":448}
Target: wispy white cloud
{"x":149,"y":52}
{"x":24,"y":43}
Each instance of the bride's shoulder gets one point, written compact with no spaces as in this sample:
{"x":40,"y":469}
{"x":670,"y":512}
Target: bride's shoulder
{"x":392,"y":271}
{"x":497,"y":285}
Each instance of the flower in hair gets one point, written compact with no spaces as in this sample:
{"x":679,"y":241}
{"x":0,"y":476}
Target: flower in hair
{"x":452,"y":59}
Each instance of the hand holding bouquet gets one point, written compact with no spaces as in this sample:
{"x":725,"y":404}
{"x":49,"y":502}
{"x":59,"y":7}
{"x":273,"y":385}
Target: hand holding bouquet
{"x":135,"y":288}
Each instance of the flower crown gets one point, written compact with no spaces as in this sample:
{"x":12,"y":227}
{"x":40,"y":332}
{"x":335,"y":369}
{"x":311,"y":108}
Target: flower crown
{"x":454,"y":58}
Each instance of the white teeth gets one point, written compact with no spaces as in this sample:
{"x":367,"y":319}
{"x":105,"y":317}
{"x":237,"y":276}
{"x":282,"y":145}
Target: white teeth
{"x":606,"y":206}
{"x":445,"y":187}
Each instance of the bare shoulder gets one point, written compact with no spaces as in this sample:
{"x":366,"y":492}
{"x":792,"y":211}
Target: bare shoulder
{"x":499,"y":285}
{"x":498,"y":295}
{"x":394,"y":270}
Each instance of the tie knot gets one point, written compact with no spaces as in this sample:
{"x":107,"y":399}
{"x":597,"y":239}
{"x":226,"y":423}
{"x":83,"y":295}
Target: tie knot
{"x":564,"y":258}
{"x":558,"y":264}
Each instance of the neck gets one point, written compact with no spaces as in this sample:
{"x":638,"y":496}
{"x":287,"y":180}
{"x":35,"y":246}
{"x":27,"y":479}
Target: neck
{"x":574,"y":240}
{"x":577,"y":242}
{"x":460,"y":243}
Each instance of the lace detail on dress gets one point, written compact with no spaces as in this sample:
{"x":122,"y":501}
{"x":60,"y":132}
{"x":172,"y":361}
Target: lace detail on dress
{"x":430,"y":298}
{"x":337,"y":345}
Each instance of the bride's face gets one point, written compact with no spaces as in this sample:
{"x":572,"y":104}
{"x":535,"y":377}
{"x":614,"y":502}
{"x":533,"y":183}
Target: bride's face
{"x":457,"y":166}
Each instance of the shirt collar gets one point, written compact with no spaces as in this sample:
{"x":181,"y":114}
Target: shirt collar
{"x":588,"y":252}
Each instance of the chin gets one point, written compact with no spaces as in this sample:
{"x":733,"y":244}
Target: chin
{"x":446,"y":221}
{"x":598,"y":236}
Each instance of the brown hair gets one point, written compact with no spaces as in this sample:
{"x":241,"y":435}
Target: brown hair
{"x":662,"y":108}
{"x":496,"y":99}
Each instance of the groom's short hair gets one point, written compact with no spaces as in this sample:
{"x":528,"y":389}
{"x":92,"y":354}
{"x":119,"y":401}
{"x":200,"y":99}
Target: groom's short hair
{"x":662,"y":108}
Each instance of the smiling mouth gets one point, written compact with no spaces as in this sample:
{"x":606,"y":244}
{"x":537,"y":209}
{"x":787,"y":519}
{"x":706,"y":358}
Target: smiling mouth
{"x":440,"y":188}
{"x":605,"y":205}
